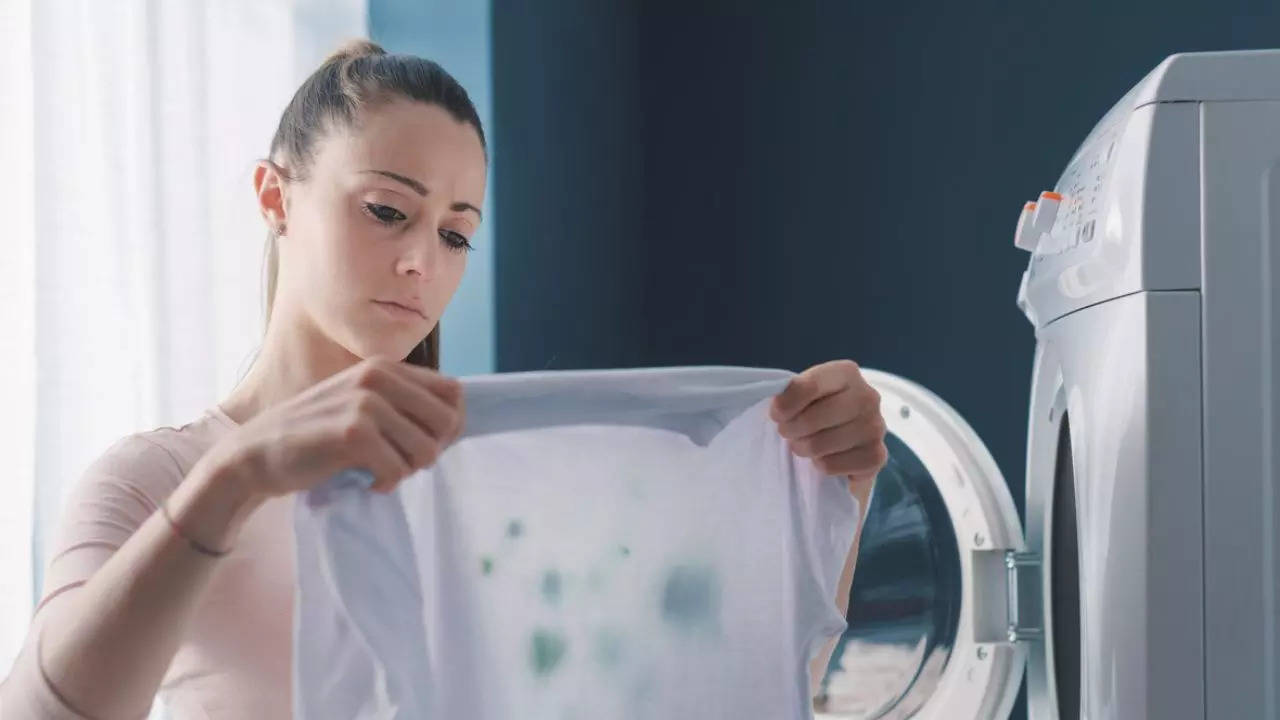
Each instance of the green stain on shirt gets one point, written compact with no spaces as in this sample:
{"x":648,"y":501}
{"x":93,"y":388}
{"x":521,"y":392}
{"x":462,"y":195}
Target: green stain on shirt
{"x":546,"y":650}
{"x":551,"y":586}
{"x":691,"y":597}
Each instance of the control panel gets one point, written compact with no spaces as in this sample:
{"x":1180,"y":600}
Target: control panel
{"x":1069,"y":216}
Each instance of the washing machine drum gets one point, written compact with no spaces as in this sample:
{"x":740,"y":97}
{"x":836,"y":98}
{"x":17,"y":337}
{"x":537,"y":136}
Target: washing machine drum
{"x":946,"y":608}
{"x":904,"y":607}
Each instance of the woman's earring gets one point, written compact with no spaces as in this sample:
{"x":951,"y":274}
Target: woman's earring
{"x":280,"y":230}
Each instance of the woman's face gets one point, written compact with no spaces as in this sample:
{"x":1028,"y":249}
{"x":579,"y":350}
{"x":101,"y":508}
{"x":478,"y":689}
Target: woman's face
{"x":384,"y":217}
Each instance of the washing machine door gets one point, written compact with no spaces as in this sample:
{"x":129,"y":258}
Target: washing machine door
{"x":937,"y":625}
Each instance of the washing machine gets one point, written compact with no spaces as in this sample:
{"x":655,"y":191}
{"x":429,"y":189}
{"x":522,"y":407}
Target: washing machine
{"x":1144,"y":581}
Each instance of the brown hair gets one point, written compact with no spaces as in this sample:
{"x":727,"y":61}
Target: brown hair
{"x":356,"y":77}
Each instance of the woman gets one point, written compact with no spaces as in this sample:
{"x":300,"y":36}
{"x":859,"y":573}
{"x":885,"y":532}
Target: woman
{"x":172,"y":566}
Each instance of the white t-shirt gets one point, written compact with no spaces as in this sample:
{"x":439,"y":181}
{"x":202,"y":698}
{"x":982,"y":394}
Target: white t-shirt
{"x":627,"y":544}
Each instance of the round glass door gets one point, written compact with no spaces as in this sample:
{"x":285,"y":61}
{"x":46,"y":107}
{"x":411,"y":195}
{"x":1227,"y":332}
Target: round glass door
{"x":911,"y":649}
{"x":904,"y":606}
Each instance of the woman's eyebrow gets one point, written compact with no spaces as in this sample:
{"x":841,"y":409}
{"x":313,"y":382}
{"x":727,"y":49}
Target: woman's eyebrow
{"x":417,"y":186}
{"x":422,"y":190}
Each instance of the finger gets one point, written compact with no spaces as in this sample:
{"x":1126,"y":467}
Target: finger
{"x":859,"y":462}
{"x":417,"y":448}
{"x":810,"y":385}
{"x":443,"y":385}
{"x":832,"y":440}
{"x":444,"y":398}
{"x":420,"y":401}
{"x":461,"y":407}
{"x":366,"y":447}
{"x":454,"y":398}
{"x":446,"y":387}
{"x":828,"y":412}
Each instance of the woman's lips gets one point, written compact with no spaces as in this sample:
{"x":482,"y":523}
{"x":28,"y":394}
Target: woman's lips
{"x":399,"y":311}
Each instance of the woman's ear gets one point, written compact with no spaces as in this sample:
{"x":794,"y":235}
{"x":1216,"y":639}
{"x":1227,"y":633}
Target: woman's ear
{"x":268,"y":185}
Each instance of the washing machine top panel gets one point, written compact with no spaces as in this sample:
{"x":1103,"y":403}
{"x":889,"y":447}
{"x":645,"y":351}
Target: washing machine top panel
{"x":1229,"y":76}
{"x":929,"y":612}
{"x":1124,"y":216}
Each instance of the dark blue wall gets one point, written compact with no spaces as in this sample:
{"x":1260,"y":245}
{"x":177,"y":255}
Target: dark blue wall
{"x":777,"y":184}
{"x":568,"y":185}
{"x":781,"y":183}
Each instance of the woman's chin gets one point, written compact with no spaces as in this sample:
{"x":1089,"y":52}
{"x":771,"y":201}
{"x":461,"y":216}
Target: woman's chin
{"x":393,"y":340}
{"x":398,"y":348}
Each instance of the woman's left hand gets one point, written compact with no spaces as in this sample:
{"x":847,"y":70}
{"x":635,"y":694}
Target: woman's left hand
{"x":831,"y":414}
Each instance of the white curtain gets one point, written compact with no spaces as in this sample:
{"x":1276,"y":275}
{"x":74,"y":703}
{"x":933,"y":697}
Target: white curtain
{"x":131,"y":254}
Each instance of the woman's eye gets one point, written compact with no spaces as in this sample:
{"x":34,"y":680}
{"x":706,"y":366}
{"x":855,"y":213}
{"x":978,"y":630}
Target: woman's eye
{"x":456,"y":240}
{"x":383,"y":213}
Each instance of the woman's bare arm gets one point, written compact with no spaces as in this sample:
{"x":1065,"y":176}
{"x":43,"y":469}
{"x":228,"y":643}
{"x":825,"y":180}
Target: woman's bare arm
{"x":101,"y":649}
{"x":861,"y":489}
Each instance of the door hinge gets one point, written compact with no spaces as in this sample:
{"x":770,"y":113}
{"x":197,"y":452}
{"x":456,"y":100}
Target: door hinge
{"x":1007,"y":597}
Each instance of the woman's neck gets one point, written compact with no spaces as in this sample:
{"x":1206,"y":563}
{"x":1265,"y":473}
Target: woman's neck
{"x":295,"y":355}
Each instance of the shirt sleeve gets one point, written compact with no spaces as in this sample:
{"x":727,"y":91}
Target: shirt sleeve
{"x":360,"y":635}
{"x":111,"y":499}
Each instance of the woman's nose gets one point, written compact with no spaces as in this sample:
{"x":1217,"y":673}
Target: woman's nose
{"x":422,"y":257}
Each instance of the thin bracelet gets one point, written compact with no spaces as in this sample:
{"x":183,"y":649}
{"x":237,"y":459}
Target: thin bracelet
{"x":164,"y":509}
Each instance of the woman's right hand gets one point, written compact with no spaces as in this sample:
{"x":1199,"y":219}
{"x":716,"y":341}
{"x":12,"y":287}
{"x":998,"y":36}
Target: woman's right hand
{"x":390,"y":418}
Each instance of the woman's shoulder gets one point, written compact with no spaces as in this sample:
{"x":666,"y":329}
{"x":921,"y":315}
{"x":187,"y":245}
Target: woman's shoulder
{"x":117,"y":492}
{"x":157,"y":459}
